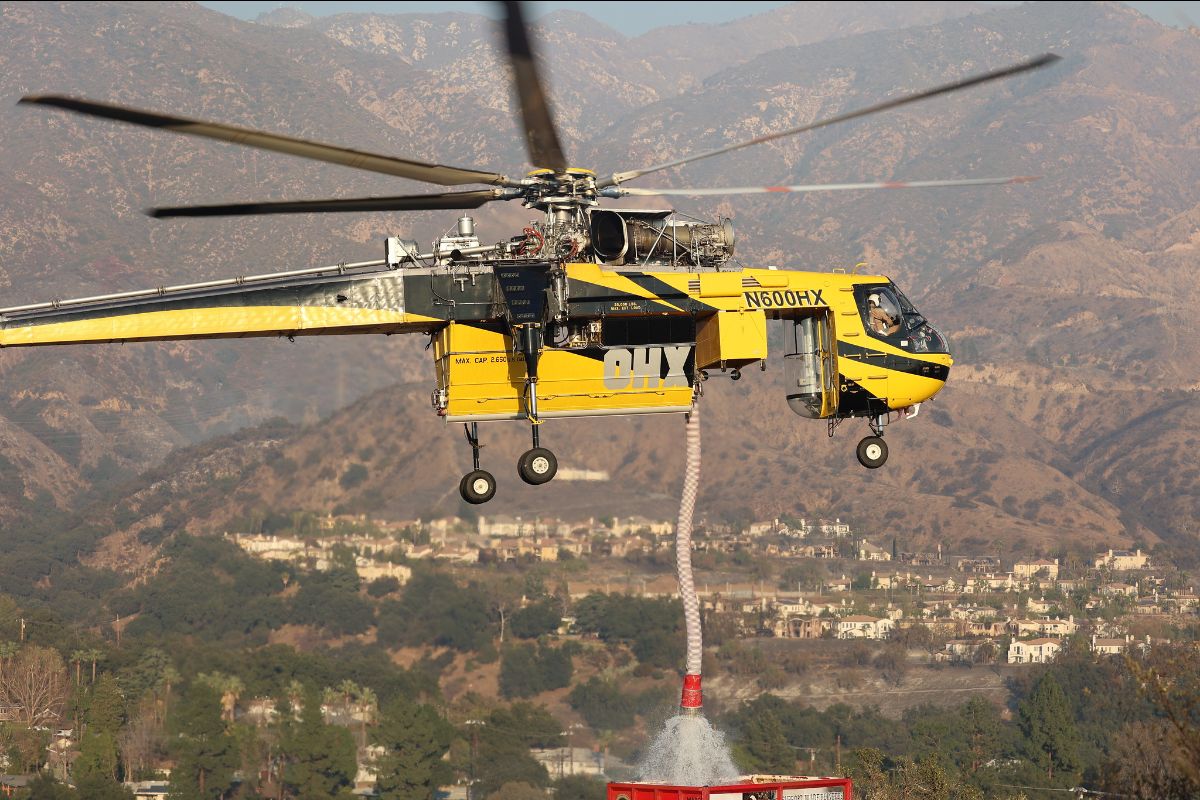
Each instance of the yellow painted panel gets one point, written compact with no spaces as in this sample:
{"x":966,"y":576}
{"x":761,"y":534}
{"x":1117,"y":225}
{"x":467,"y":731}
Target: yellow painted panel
{"x":205,"y":323}
{"x":720,"y":284}
{"x":734,"y":338}
{"x":483,"y":377}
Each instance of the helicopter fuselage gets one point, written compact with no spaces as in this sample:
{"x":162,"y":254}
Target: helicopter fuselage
{"x":613,"y":341}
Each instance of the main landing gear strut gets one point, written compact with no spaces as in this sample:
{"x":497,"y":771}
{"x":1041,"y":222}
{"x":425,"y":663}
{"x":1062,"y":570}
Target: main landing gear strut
{"x":872,"y":451}
{"x":536,"y":465}
{"x":477,"y":486}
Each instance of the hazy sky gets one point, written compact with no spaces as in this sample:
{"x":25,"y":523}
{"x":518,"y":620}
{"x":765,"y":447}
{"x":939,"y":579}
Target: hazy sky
{"x":630,"y":18}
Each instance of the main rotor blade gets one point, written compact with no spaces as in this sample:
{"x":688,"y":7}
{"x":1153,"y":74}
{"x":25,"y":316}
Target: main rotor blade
{"x":826,"y":187}
{"x":1024,"y":66}
{"x":541,"y":137}
{"x":418,"y":202}
{"x":372,"y":162}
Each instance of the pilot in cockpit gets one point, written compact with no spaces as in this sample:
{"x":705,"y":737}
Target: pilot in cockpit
{"x":881,"y":321}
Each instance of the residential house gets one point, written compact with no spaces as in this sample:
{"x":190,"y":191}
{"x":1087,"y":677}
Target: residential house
{"x":1110,"y":647}
{"x":641,"y":525}
{"x":1118,"y":560}
{"x":837,"y":528}
{"x":860,"y":626}
{"x":802,"y":627}
{"x":1039,"y":606}
{"x":1033,"y":651}
{"x":959,"y":650}
{"x":1057,"y":627}
{"x":979,"y":566}
{"x":1045,"y":626}
{"x":1031,"y":569}
{"x":869,"y":552}
{"x":369,"y":570}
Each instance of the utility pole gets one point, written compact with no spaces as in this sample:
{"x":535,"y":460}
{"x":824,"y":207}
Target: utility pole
{"x":474,"y":723}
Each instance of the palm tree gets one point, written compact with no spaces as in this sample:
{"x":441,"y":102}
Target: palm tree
{"x":368,"y":702}
{"x":230,"y":693}
{"x":230,"y":688}
{"x":295,"y":693}
{"x":77,"y":658}
{"x":94,"y":656}
{"x":166,"y":678}
{"x":330,"y":698}
{"x":350,"y":692}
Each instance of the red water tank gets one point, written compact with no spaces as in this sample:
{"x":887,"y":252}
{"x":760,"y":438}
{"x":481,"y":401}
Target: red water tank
{"x":751,"y":787}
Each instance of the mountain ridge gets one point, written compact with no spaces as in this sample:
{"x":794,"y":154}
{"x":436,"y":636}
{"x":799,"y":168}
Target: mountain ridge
{"x":1065,"y":300}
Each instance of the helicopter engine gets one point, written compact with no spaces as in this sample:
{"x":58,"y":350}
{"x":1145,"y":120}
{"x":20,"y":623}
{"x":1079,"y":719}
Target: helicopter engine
{"x":658,"y":237}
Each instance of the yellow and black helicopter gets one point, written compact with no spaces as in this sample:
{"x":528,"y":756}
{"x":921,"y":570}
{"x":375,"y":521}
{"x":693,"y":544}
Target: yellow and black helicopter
{"x":590,"y":311}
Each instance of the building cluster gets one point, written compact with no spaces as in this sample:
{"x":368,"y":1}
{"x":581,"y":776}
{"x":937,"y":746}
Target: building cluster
{"x":975,"y":604}
{"x":977,"y":615}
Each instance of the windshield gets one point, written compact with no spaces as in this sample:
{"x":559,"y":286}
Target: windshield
{"x":888,"y":315}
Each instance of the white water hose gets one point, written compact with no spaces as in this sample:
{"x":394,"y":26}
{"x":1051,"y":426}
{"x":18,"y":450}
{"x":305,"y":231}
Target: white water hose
{"x":692,"y":700}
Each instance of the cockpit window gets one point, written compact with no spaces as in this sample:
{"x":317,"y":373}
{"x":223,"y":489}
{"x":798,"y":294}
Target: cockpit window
{"x":884,"y":317}
{"x":888,"y":315}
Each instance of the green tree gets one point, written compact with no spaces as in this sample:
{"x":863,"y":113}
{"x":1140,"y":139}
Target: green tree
{"x":602,"y":704}
{"x":527,"y":670}
{"x":106,"y":707}
{"x":923,"y":779}
{"x":534,"y":725}
{"x":980,"y":724}
{"x":320,"y":760}
{"x":579,"y":787}
{"x":503,"y":757}
{"x":537,"y":619}
{"x":433,"y":609}
{"x":503,"y":754}
{"x":97,"y":760}
{"x":764,"y":747}
{"x":44,"y":787}
{"x":1049,"y":727}
{"x":415,"y":739}
{"x":205,"y":755}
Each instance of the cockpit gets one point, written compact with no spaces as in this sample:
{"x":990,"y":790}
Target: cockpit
{"x":889,"y":316}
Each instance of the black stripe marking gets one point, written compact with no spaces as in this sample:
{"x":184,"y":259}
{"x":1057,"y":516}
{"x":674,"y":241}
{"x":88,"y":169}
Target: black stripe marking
{"x":897,"y":363}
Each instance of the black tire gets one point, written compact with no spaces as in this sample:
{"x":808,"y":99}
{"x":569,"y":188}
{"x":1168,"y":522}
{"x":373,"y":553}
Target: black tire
{"x":537,"y":466}
{"x":872,"y":452}
{"x":477,"y":487}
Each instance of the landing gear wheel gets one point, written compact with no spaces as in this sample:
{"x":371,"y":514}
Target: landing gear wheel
{"x":537,"y":466}
{"x":872,"y":452}
{"x":477,"y":487}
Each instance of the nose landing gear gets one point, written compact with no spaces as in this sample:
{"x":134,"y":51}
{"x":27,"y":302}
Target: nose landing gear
{"x":872,"y":451}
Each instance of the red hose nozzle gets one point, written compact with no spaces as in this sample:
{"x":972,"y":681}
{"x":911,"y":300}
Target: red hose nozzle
{"x":692,"y":696}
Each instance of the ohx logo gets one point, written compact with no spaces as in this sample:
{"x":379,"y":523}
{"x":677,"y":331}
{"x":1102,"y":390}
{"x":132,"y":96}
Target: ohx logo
{"x":642,"y":367}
